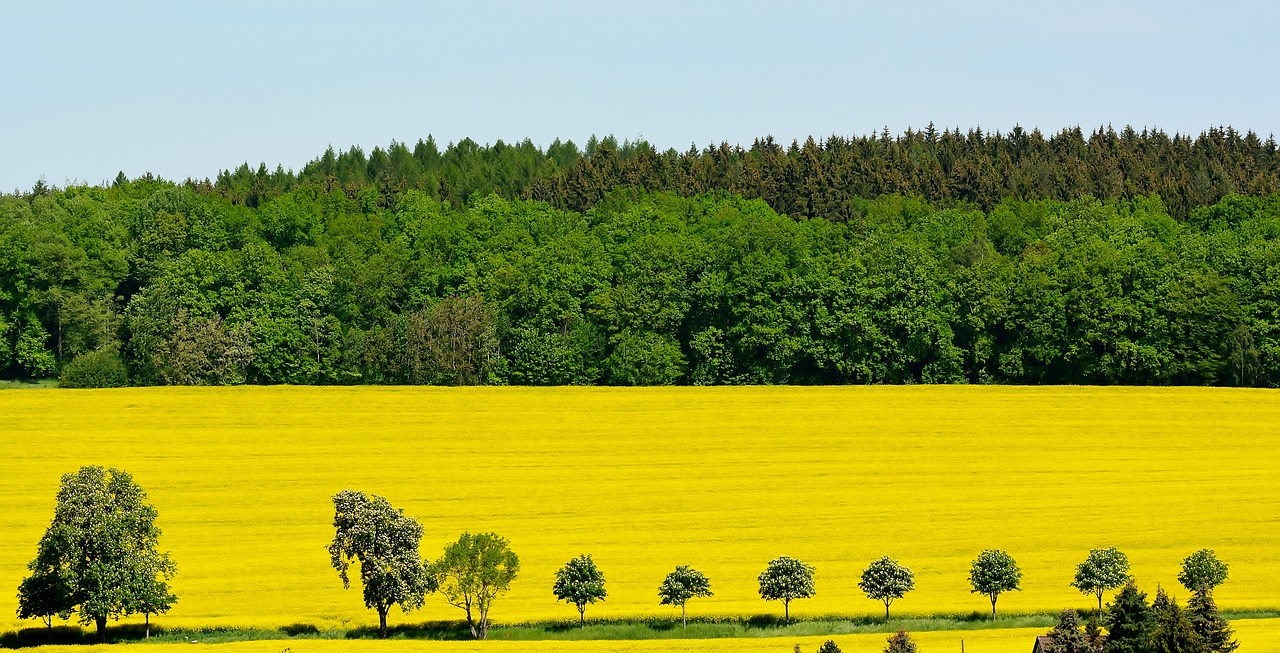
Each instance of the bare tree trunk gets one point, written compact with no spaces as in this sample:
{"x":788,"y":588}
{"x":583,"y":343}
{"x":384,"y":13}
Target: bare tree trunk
{"x":471,"y":624}
{"x":886,"y":611}
{"x":147,"y":618}
{"x":683,"y":616}
{"x":102,"y":629}
{"x":993,"y":607}
{"x":582,"y":615}
{"x":786,"y":610}
{"x":382,"y":623}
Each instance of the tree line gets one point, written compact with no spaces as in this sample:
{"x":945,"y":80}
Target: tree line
{"x":816,"y":178}
{"x":148,"y":282}
{"x":100,"y":559}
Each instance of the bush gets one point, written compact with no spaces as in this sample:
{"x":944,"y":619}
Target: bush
{"x":829,"y":646}
{"x":900,"y":642}
{"x":101,"y":368}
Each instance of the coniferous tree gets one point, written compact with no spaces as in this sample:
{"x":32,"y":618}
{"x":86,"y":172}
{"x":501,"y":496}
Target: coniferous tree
{"x":1173,"y":632}
{"x":1214,"y":631}
{"x":1129,"y":621}
{"x":900,"y":642}
{"x":1066,"y":636}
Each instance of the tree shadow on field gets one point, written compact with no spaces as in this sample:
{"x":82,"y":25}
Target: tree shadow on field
{"x":440,"y":630}
{"x":293,"y":630}
{"x":73,"y":635}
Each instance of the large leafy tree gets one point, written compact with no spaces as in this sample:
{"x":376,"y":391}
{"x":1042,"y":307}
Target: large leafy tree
{"x":993,"y":573}
{"x":786,"y":579}
{"x":472,"y":572}
{"x":99,"y":558}
{"x":885,"y":580}
{"x":1202,"y":569}
{"x":383,"y":542}
{"x":681,"y":585}
{"x":1102,"y":571}
{"x":580,"y":582}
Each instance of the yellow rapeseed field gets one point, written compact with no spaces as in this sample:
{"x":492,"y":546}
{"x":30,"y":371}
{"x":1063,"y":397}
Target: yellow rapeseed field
{"x":723,"y":479}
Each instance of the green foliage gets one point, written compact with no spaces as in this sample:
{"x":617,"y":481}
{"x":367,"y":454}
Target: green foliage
{"x":99,"y":556}
{"x":993,"y":573}
{"x":1202,"y":569}
{"x":1103,"y":570}
{"x":885,"y":580}
{"x":829,"y":646}
{"x":383,"y":542}
{"x":1213,"y":630}
{"x":472,"y":573}
{"x":101,"y":368}
{"x":900,"y":642}
{"x":1130,"y":622}
{"x":334,"y":278}
{"x":786,"y":579}
{"x":681,"y":585}
{"x":580,"y":582}
{"x":1067,"y":637}
{"x":1173,"y":632}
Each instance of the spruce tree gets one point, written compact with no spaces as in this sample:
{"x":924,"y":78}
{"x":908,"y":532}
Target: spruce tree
{"x":900,"y":642}
{"x":1066,"y":637}
{"x":1129,"y":622}
{"x":1208,"y":624}
{"x":1173,"y":632}
{"x":1093,"y":633}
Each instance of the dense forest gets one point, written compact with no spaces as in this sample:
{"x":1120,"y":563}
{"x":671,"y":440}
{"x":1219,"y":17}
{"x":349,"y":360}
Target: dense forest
{"x":1129,"y":258}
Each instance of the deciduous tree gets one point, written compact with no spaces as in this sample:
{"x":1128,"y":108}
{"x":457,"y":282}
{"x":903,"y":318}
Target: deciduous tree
{"x":580,"y":582}
{"x":885,"y":580}
{"x":1103,"y":570}
{"x":383,"y":542}
{"x":786,"y":579}
{"x":1202,"y":569}
{"x":681,"y":585}
{"x":473,"y":572}
{"x":993,"y":573}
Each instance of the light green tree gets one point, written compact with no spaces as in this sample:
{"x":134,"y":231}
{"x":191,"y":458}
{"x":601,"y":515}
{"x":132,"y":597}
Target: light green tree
{"x":1103,"y":570}
{"x":383,"y":542}
{"x":1202,"y":569}
{"x":681,"y":585}
{"x":473,"y":572}
{"x":786,"y":579}
{"x":580,"y":582}
{"x":993,"y":573}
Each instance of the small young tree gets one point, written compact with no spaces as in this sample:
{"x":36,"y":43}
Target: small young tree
{"x":1129,"y":622}
{"x":473,"y":572}
{"x":1173,"y":632}
{"x":829,"y":646}
{"x":900,"y":642}
{"x":786,"y":579}
{"x":885,"y":580}
{"x":43,"y":595}
{"x":383,"y":541}
{"x":580,"y":582}
{"x":99,"y":556}
{"x":681,"y":585}
{"x":1102,"y":571}
{"x":993,"y":573}
{"x":1066,"y":637}
{"x":1202,"y":568}
{"x":1213,"y":630}
{"x":1094,"y":635}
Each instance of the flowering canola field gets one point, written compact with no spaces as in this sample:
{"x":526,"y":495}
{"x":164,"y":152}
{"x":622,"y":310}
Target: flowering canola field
{"x":723,"y":479}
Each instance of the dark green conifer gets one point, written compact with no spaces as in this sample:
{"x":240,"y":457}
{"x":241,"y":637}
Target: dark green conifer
{"x":1213,"y":630}
{"x":1129,"y":622}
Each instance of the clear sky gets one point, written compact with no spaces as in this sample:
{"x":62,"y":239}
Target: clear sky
{"x":184,"y":89}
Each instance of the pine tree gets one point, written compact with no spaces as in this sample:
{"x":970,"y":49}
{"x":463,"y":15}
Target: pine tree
{"x":1208,"y":624}
{"x":1093,"y":633}
{"x":1129,"y":622}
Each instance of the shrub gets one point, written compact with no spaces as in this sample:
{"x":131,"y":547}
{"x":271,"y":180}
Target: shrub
{"x":101,"y":368}
{"x":829,"y":646}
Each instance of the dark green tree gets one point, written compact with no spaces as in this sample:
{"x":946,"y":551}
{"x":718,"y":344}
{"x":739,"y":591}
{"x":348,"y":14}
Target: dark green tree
{"x":885,"y":580}
{"x":1130,"y":622}
{"x":99,"y":558}
{"x":900,"y":642}
{"x":1066,"y":636}
{"x":1213,"y":630}
{"x":1202,"y":568}
{"x":1173,"y":632}
{"x":1103,"y":570}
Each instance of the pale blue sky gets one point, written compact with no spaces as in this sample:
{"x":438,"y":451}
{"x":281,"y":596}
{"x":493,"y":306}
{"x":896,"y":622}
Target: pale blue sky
{"x":185,"y":88}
